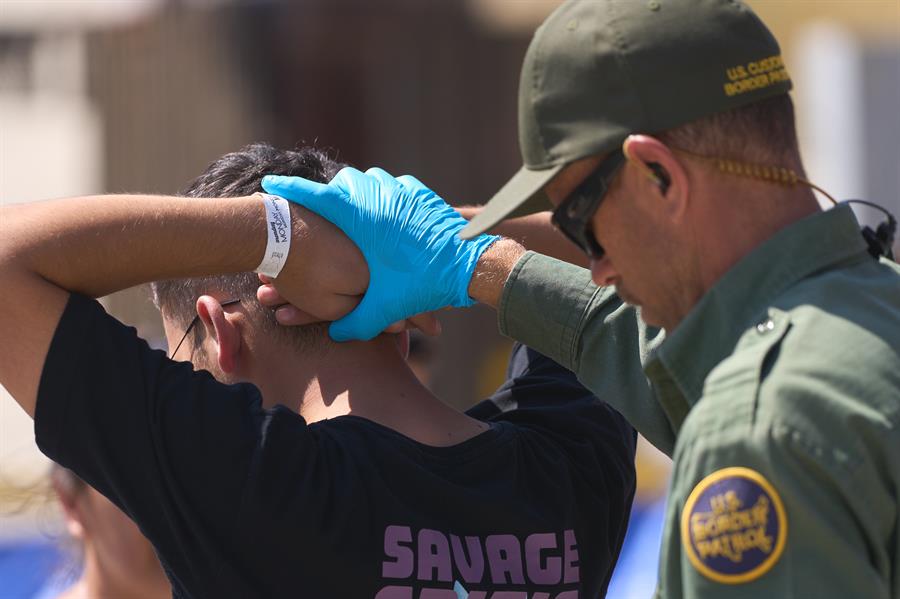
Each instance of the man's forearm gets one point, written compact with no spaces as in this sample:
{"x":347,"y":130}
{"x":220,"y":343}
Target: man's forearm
{"x":492,"y":271}
{"x":97,"y":245}
{"x":100,"y":244}
{"x":536,"y":233}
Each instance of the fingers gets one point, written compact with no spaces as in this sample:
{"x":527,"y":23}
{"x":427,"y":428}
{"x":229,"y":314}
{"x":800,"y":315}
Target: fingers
{"x":407,"y":181}
{"x":320,"y":307}
{"x":291,"y":316}
{"x":427,"y":323}
{"x":417,"y":190}
{"x":268,"y":296}
{"x":362,"y":324}
{"x":398,"y":327}
{"x":412,"y":184}
{"x":384,"y":177}
{"x":321,"y":199}
{"x":355,"y":184}
{"x":420,"y":190}
{"x":333,"y":307}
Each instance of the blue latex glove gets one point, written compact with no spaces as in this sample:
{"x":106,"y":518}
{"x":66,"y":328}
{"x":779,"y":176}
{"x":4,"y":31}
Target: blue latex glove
{"x":408,"y":236}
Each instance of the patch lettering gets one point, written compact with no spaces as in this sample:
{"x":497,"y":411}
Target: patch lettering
{"x":733,"y":526}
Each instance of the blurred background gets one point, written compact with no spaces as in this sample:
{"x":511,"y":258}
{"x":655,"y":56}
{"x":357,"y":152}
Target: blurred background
{"x":140,"y":95}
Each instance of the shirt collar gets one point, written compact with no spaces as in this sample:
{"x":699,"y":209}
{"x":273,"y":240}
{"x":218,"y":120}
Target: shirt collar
{"x":711,"y":330}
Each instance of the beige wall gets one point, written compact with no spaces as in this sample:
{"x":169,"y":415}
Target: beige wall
{"x":868,"y":17}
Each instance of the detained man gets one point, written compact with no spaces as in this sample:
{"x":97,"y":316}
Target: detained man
{"x":278,"y":462}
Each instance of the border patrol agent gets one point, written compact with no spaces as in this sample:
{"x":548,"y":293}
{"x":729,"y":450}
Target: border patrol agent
{"x":776,"y":391}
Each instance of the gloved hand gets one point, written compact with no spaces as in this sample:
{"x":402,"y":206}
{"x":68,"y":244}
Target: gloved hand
{"x":408,"y":236}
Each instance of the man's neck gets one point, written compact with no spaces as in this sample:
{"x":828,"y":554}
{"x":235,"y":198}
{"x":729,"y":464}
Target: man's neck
{"x":753,"y":214}
{"x":733,"y":217}
{"x":366,"y":379}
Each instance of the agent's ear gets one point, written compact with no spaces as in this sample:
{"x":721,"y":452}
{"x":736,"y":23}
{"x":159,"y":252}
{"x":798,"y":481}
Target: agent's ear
{"x":223,"y":330}
{"x":662,"y":168}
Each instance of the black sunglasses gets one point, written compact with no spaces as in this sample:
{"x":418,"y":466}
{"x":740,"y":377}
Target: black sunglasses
{"x":573,"y":216}
{"x":194,"y":323}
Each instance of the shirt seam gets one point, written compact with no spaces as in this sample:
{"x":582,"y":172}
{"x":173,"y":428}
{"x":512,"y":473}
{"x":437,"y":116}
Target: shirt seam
{"x":783,"y":435}
{"x":507,"y":293}
{"x":580,"y":326}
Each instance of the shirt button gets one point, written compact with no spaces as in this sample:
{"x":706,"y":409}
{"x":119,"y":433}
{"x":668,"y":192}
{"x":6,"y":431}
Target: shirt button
{"x":765,"y":326}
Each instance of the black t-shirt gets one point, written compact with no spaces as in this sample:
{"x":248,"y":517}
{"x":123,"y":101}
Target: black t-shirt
{"x":245,"y":502}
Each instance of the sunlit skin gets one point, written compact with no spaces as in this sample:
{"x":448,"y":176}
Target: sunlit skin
{"x":287,"y":314}
{"x":664,"y":251}
{"x":333,"y":380}
{"x":119,"y":562}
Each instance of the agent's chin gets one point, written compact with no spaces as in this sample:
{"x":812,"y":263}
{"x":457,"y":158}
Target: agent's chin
{"x":627,"y":297}
{"x":647,"y":313}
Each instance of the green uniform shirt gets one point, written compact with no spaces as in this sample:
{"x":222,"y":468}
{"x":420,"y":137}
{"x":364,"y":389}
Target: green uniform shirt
{"x":778,"y":398}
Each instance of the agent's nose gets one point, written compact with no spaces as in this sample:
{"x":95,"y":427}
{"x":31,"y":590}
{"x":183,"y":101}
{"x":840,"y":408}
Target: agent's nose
{"x":603,"y":272}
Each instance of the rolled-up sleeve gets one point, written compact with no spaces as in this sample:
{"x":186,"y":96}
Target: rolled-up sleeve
{"x":554,"y":307}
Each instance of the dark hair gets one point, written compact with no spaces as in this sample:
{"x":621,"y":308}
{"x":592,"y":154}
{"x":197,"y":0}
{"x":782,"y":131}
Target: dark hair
{"x":759,"y":133}
{"x":240,"y":174}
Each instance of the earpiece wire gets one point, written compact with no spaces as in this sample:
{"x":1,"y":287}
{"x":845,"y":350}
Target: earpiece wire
{"x":771,"y":174}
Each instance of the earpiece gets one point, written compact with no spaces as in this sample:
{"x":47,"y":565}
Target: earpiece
{"x":661,"y":177}
{"x":881,"y":240}
{"x":654,"y":171}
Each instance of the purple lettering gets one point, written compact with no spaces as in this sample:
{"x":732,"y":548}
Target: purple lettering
{"x":504,"y":557}
{"x":539,"y":571}
{"x":434,"y":554}
{"x":403,"y":564}
{"x":570,"y":557}
{"x":509,"y":595}
{"x":472,"y":569}
{"x":568,"y":595}
{"x":395,"y":593}
{"x":438,"y":594}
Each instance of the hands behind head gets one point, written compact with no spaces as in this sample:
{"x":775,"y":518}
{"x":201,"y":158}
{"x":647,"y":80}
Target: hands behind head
{"x":409,"y":237}
{"x":289,"y":315}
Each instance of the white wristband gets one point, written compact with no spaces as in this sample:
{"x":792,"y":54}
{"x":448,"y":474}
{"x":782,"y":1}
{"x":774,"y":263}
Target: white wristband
{"x":278,"y":227}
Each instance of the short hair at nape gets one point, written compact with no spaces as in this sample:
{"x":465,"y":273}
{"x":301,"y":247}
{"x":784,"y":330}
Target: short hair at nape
{"x":762,"y":132}
{"x":239,"y":174}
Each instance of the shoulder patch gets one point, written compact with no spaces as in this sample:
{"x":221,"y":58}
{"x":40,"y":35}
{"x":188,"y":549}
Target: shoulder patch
{"x":733,"y":526}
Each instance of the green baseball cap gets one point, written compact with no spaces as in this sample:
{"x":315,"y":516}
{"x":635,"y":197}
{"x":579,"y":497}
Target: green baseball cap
{"x":599,"y":70}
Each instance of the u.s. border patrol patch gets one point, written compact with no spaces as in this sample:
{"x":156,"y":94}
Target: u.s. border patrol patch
{"x":733,"y":526}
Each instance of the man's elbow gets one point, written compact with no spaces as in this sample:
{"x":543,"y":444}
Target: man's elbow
{"x":31,"y":308}
{"x":12,"y":241}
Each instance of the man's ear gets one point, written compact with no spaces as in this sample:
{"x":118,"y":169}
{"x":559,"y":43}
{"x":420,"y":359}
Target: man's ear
{"x":224,"y":331}
{"x":68,"y":498}
{"x":662,"y":169}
